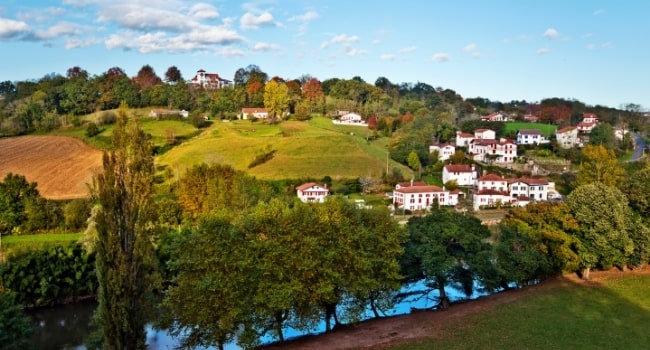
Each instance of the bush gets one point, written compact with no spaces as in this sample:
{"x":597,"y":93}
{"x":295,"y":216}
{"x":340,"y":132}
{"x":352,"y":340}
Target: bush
{"x":261,"y":158}
{"x":92,"y":130}
{"x":107,"y":118}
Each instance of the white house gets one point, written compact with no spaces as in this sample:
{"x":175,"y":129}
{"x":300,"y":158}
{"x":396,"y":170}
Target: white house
{"x":208,"y":80}
{"x":493,"y":190}
{"x":529,"y":137}
{"x":567,"y":137}
{"x":483,"y":150}
{"x":312,"y":192}
{"x":257,"y":113}
{"x":496,"y":117}
{"x":445,"y":151}
{"x":463,"y":174}
{"x":529,"y":189}
{"x":589,"y":121}
{"x":350,"y":119}
{"x":463,"y":139}
{"x":619,"y":133}
{"x":420,"y":196}
{"x":485,"y":134}
{"x":157,"y":113}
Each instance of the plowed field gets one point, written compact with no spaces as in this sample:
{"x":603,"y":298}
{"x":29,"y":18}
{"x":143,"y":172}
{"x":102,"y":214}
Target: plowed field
{"x":61,"y":166}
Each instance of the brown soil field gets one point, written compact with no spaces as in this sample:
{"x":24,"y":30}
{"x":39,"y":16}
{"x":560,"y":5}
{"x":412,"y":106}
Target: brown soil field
{"x":61,"y":166}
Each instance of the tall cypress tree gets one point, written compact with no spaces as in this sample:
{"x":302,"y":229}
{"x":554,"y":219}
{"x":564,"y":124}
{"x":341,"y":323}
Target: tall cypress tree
{"x":125,"y":268}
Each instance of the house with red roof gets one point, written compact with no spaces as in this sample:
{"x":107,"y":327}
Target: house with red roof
{"x":463,"y":139}
{"x":420,"y":196}
{"x":445,"y":150}
{"x":208,"y":81}
{"x":496,"y":117}
{"x":312,"y":192}
{"x":530,"y":137}
{"x":254,"y":113}
{"x":463,"y":174}
{"x":567,"y":137}
{"x":589,"y":121}
{"x":493,"y":190}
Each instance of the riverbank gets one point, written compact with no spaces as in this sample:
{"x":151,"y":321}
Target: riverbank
{"x":421,"y":326}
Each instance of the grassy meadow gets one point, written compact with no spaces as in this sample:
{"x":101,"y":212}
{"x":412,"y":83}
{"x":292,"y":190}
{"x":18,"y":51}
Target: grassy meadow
{"x":303,"y":149}
{"x":546,"y":129}
{"x":610,"y":314}
{"x":36,"y":241}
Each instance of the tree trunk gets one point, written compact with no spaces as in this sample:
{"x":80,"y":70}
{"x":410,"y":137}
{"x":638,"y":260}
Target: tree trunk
{"x":444,"y":300}
{"x":279,"y":320}
{"x":373,"y":307}
{"x":585,"y":273}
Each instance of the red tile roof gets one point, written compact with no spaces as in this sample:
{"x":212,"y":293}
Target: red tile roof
{"x":458,"y":168}
{"x":309,"y":185}
{"x":419,"y":189}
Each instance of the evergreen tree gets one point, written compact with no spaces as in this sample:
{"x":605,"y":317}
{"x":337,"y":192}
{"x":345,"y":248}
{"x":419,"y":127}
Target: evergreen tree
{"x":124,"y":242}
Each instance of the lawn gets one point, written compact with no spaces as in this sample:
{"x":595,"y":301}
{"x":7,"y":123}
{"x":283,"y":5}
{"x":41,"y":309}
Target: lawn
{"x":12,"y":243}
{"x":609,"y":314}
{"x":547,"y":129}
{"x":303,"y":149}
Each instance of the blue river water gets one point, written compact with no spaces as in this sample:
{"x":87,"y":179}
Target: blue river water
{"x":66,"y":327}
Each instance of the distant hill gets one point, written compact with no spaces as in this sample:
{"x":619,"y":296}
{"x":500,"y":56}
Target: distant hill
{"x":299,"y":149}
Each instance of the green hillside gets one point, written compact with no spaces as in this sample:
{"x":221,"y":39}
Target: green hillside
{"x":314,"y":149}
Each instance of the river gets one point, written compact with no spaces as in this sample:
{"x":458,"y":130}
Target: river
{"x":65,"y":327}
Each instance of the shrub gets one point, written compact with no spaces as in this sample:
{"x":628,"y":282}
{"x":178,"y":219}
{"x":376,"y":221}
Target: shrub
{"x":106,"y":118}
{"x":92,"y":130}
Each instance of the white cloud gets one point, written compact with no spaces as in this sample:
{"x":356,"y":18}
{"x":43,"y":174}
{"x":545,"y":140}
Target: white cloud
{"x":440,"y":57}
{"x":551,"y":33}
{"x":252,"y":21}
{"x":261,"y":46}
{"x":75,"y":43}
{"x":407,"y":50}
{"x":376,"y":42}
{"x":598,"y":12}
{"x":469,"y":48}
{"x":41,"y":14}
{"x":58,"y":30}
{"x":231,"y":52}
{"x":591,"y":46}
{"x":350,"y":51}
{"x":543,"y":51}
{"x":144,"y":18}
{"x":10,"y":29}
{"x":203,"y":11}
{"x":340,"y":39}
{"x":387,"y":57}
{"x":607,"y":45}
{"x":305,"y":17}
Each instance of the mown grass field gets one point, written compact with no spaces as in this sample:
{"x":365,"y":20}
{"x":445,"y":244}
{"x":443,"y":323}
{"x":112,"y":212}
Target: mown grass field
{"x":546,"y":129}
{"x":37,"y":241}
{"x":610,"y":314}
{"x":303,"y":149}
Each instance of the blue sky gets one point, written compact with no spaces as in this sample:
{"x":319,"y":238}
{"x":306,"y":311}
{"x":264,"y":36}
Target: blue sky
{"x":593,"y":51}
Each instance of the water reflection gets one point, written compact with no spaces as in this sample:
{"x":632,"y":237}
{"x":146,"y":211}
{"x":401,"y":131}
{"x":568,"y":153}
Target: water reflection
{"x":65,"y":327}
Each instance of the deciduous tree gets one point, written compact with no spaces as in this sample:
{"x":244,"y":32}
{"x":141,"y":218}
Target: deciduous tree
{"x":125,"y":268}
{"x":276,"y":98}
{"x":599,"y":165}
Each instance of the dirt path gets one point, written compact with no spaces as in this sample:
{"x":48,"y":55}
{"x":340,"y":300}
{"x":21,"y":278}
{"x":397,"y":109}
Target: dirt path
{"x":61,"y":166}
{"x":381,"y":333}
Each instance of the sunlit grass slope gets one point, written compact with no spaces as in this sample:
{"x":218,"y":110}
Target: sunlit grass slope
{"x":303,"y":149}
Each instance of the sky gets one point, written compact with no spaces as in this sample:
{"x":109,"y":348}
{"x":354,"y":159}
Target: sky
{"x":593,"y":51}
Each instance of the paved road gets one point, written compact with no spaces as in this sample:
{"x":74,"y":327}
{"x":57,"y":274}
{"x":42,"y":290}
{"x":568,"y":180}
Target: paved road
{"x":639,"y":147}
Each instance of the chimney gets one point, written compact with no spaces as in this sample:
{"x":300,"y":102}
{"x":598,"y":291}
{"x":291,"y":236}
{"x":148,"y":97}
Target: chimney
{"x":411,"y":182}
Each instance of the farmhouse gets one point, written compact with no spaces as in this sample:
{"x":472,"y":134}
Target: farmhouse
{"x":567,"y":137}
{"x":254,"y":113}
{"x":208,"y":80}
{"x":463,"y":174}
{"x":157,"y":113}
{"x":312,"y":192}
{"x":483,"y":147}
{"x":463,"y":139}
{"x":493,"y":190}
{"x":350,"y":119}
{"x":445,"y":150}
{"x":589,"y":121}
{"x":496,"y":117}
{"x":530,"y":137}
{"x":420,"y":196}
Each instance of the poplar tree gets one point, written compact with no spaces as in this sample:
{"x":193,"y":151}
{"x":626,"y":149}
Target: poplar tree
{"x":124,"y":237}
